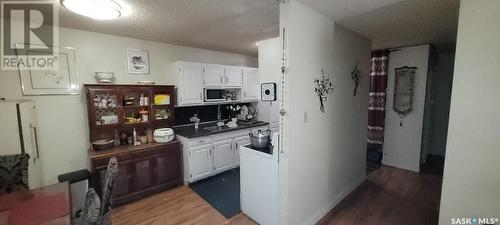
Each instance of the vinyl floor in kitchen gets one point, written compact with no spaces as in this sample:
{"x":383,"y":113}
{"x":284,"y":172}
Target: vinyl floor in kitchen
{"x":389,"y":196}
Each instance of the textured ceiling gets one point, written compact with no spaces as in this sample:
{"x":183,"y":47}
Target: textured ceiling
{"x":394,"y":23}
{"x":339,"y":9}
{"x":224,"y":25}
{"x":408,"y":23}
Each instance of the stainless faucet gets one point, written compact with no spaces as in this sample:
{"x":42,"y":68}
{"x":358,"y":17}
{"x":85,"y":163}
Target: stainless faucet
{"x":219,"y":114}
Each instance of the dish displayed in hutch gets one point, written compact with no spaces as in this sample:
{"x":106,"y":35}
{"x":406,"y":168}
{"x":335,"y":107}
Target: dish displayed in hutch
{"x":122,"y":119}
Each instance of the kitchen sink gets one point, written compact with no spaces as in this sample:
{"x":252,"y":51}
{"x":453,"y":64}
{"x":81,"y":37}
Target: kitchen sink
{"x":216,"y":128}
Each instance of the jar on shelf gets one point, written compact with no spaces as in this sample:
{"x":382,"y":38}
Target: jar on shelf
{"x":144,"y":115}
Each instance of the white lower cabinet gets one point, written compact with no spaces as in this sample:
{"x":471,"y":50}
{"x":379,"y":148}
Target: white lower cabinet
{"x":201,"y":165}
{"x":240,"y":141}
{"x":209,"y":155}
{"x":223,"y":155}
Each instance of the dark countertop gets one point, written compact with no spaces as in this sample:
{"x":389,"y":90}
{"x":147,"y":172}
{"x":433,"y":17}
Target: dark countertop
{"x":190,"y":132}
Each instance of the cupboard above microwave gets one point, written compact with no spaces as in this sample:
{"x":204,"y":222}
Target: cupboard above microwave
{"x":194,"y":79}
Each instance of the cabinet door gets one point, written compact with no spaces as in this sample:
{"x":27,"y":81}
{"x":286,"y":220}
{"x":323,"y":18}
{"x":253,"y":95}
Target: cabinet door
{"x":238,"y":142}
{"x":251,"y":84}
{"x":223,"y":155}
{"x":104,"y":107}
{"x":122,"y":185}
{"x":200,"y":165}
{"x":143,"y":178}
{"x":168,"y":167}
{"x":214,"y":76}
{"x":234,"y":77}
{"x":191,"y":89}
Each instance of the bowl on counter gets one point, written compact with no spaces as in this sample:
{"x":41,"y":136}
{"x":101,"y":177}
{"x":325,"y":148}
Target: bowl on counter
{"x":103,"y":144}
{"x":163,"y":135}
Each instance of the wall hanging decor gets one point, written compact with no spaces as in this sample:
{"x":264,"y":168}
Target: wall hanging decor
{"x":138,"y":61}
{"x":60,"y":81}
{"x":404,"y":86}
{"x":323,"y":87}
{"x":356,"y":77}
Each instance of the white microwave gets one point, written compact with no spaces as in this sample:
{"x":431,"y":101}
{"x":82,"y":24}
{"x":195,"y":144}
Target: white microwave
{"x":215,"y":95}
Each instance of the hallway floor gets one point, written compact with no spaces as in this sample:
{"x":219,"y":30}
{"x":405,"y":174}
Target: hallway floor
{"x":390,"y":196}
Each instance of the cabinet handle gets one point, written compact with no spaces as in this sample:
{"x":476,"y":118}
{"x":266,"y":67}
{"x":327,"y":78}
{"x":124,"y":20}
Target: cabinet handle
{"x":221,"y":80}
{"x":36,"y":141}
{"x":201,"y":96}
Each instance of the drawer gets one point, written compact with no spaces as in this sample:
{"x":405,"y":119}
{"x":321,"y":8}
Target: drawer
{"x":103,"y":162}
{"x":193,"y":142}
{"x":154,"y":151}
{"x":241,"y":133}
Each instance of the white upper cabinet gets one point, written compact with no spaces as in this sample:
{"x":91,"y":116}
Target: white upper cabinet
{"x":214,"y":76}
{"x":251,"y":83}
{"x":234,"y":77}
{"x":193,"y":78}
{"x":190,"y":88}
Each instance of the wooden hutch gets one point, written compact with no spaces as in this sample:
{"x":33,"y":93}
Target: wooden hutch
{"x":146,"y":169}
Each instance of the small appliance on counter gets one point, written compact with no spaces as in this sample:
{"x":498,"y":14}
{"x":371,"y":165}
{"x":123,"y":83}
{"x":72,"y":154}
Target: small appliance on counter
{"x":163,"y":135}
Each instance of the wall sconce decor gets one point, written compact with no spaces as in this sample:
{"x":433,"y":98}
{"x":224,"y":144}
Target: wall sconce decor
{"x":404,"y":85}
{"x":323,"y":87}
{"x":356,"y":77}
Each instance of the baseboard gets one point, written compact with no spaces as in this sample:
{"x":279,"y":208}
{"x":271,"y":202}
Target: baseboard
{"x":320,"y":214}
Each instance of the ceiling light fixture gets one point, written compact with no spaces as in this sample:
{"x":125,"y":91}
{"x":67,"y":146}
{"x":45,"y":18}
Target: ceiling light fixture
{"x":96,"y":9}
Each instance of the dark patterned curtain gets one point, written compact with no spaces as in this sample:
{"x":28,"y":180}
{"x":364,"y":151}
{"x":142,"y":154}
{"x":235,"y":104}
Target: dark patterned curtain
{"x":376,"y":110}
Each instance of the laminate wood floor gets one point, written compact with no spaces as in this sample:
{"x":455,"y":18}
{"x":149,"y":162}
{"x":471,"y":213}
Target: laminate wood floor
{"x":179,"y":206}
{"x":389,"y":196}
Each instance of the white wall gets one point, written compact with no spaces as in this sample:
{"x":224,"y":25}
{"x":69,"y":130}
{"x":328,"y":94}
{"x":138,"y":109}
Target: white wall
{"x":63,"y":127}
{"x":471,"y":181}
{"x":326,"y":151}
{"x":402,"y":143}
{"x":270,"y":71}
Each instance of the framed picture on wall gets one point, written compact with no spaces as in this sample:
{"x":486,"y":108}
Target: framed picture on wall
{"x":61,"y":80}
{"x":138,"y":61}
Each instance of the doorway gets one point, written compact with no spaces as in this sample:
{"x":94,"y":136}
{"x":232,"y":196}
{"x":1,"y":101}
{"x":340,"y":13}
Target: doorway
{"x":437,"y":108}
{"x":417,"y":141}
